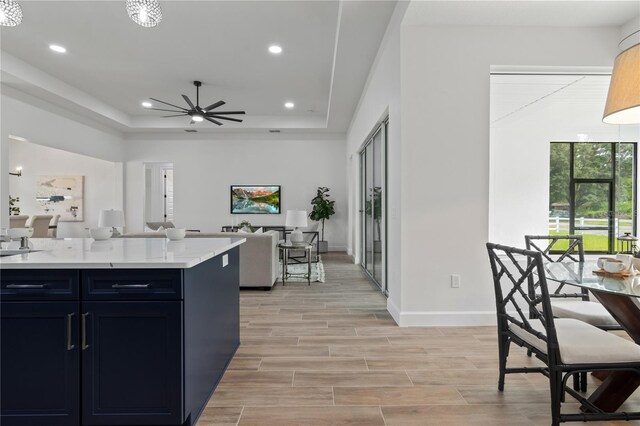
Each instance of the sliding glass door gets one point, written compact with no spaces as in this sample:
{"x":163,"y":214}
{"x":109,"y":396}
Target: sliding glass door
{"x":373,"y":205}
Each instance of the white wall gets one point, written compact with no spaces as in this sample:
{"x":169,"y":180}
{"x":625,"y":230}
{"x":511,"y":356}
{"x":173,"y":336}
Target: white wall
{"x":381,"y":97}
{"x":45,"y":124}
{"x":204,"y":170}
{"x":520,"y":149}
{"x":100,"y":181}
{"x":445,"y":155}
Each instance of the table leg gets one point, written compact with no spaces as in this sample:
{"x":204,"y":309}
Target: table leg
{"x":618,"y":385}
{"x":284,"y":266}
{"x":309,"y":266}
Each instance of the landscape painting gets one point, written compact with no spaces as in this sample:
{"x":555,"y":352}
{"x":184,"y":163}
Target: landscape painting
{"x":255,"y":199}
{"x":61,"y":195}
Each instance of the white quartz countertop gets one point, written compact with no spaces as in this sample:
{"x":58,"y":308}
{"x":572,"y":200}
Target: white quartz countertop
{"x":123,"y":253}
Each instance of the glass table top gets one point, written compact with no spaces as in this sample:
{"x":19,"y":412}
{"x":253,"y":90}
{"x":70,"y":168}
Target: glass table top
{"x":581,"y":274}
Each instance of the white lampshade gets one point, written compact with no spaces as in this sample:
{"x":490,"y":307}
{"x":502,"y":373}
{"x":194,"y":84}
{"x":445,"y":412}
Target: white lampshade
{"x":623,"y":100}
{"x":296,"y":218}
{"x":111,"y":218}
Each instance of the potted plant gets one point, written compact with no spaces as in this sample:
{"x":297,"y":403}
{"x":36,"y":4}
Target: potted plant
{"x":14,"y":209}
{"x":322,"y":209}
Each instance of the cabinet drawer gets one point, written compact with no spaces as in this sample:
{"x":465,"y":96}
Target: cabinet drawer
{"x":39,"y":284}
{"x":132,"y":284}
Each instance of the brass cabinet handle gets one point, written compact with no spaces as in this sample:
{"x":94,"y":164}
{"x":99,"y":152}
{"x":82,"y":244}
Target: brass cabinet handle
{"x":116,"y":285}
{"x":84,"y":331}
{"x":70,"y":344}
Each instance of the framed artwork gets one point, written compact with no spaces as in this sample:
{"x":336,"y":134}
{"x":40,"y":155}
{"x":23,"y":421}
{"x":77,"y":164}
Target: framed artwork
{"x":61,"y":195}
{"x":255,"y":199}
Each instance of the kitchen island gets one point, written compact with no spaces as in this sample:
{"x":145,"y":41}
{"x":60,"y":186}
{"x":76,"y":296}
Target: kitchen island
{"x":117,"y":332}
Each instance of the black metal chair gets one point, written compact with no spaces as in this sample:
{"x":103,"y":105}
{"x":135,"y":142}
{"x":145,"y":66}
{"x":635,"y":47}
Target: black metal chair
{"x":566,"y":302}
{"x":566,"y":346}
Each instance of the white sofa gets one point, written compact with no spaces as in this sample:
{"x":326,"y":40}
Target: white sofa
{"x":259,"y":256}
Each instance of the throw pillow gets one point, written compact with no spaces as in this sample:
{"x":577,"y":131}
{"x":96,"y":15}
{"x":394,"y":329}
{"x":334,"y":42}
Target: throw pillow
{"x":258,"y":231}
{"x":242,"y":231}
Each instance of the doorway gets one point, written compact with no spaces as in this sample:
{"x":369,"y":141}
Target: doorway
{"x":158,"y":200}
{"x":373,"y":211}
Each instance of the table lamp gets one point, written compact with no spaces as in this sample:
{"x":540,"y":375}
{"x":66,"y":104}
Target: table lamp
{"x":111,"y":219}
{"x":296,"y":219}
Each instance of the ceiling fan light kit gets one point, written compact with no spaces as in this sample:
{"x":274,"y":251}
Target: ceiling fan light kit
{"x":146,"y":13}
{"x":10,"y":13}
{"x":196,"y":112}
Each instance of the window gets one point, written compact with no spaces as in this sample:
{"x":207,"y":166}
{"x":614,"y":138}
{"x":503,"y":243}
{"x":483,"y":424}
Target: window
{"x":592,"y":192}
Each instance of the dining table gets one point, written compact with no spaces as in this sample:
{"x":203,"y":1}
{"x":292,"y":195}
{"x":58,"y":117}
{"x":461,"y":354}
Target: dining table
{"x":620,"y":295}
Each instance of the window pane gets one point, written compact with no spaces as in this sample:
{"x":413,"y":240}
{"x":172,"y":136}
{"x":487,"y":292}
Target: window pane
{"x":624,"y":188}
{"x":559,"y":189}
{"x":592,"y":161}
{"x":592,"y":215}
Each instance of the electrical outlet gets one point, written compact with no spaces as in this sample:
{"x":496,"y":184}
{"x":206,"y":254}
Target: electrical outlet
{"x":455,"y":281}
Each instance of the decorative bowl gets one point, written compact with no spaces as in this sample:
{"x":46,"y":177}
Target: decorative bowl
{"x":175,"y":233}
{"x":100,"y":234}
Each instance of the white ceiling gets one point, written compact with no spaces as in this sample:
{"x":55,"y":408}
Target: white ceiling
{"x":540,"y":13}
{"x":112,"y":64}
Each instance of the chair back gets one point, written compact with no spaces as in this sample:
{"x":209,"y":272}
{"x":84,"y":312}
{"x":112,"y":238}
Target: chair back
{"x":18,"y":221}
{"x":40,"y":225}
{"x":512,"y":299}
{"x":557,"y":248}
{"x":53,"y":226}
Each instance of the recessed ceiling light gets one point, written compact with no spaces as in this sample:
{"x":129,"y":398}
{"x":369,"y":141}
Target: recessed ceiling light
{"x":289,"y":105}
{"x":57,"y":48}
{"x":147,"y":104}
{"x":275,"y":49}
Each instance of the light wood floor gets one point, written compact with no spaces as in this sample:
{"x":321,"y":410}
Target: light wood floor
{"x":330,"y":354}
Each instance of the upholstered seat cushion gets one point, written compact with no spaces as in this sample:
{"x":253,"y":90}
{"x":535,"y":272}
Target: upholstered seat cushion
{"x":582,"y":343}
{"x":590,"y":312}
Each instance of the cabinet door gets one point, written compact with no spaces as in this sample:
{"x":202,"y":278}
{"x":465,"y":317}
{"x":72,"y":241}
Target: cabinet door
{"x":40,"y":370}
{"x":132,"y":363}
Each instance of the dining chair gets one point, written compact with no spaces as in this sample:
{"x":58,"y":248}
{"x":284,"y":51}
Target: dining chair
{"x":18,"y":221}
{"x":40,"y":225}
{"x":565,"y":346}
{"x":53,"y":227}
{"x":567,"y":302}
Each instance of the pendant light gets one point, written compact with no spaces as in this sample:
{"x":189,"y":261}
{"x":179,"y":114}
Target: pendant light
{"x":623,"y":101}
{"x":10,"y":13}
{"x":146,"y":13}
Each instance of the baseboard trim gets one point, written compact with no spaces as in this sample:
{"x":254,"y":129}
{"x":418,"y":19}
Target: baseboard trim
{"x":443,"y":318}
{"x":394,"y":311}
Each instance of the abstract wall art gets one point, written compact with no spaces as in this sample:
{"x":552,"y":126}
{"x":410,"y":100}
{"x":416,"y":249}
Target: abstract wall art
{"x":61,"y":195}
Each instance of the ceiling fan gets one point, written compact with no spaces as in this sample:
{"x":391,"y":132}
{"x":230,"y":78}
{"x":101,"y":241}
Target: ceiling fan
{"x":197,"y":113}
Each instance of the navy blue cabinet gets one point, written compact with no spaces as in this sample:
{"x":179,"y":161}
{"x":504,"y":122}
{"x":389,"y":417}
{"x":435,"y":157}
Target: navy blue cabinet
{"x":116,"y":347}
{"x":39,"y":356}
{"x":132,"y":363}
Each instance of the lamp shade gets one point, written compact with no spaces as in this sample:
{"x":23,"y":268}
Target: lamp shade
{"x":623,"y":101}
{"x":111,"y":218}
{"x":296,"y":218}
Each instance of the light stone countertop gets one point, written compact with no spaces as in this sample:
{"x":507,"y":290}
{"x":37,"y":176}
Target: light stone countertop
{"x":122,"y":253}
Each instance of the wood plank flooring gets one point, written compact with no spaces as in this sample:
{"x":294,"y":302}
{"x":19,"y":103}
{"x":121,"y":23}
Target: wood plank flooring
{"x":330,"y":354}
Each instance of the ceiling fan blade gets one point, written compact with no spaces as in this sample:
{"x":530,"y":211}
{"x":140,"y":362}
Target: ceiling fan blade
{"x":213,"y":121}
{"x":177,"y":115}
{"x":186,"y":98}
{"x":216,"y":105}
{"x":226,"y":112}
{"x":167,"y":110}
{"x":225,"y":118}
{"x":167,"y":103}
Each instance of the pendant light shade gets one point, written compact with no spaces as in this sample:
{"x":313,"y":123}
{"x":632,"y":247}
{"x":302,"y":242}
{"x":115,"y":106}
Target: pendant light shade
{"x":10,"y":13}
{"x":623,"y":101}
{"x":146,"y":13}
